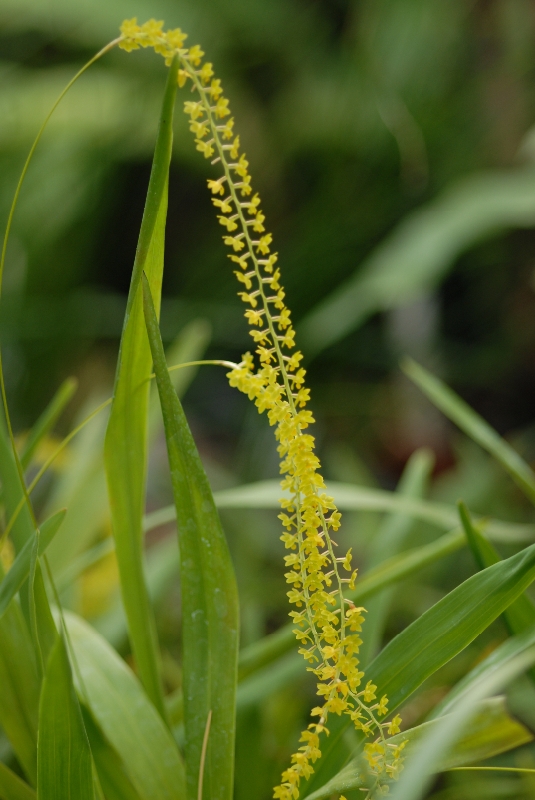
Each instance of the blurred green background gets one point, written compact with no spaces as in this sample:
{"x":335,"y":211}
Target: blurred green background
{"x":393,"y":143}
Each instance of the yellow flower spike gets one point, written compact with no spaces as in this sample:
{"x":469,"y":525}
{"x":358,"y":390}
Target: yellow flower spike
{"x":327,"y":621}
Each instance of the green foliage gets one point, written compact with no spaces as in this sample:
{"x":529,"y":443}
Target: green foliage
{"x":64,"y":764}
{"x":141,"y":698}
{"x":125,"y":448}
{"x":208,"y":592}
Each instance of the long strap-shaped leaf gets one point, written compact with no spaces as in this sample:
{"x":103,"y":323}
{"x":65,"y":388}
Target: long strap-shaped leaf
{"x":436,"y":637}
{"x":64,"y":764}
{"x":126,"y":437}
{"x":209,"y":594}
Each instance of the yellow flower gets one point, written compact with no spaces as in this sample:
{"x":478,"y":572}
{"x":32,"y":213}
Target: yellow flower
{"x":206,"y":72}
{"x":195,"y":54}
{"x":216,"y":187}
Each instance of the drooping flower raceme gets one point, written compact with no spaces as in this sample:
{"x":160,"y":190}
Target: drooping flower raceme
{"x":327,"y":623}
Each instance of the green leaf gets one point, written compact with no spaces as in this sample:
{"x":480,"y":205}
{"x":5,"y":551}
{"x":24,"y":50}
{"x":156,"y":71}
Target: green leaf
{"x":126,"y":437}
{"x":414,"y":257}
{"x":520,"y":614}
{"x":64,"y":766}
{"x":47,"y":420}
{"x":473,"y":425}
{"x":501,"y":655}
{"x":425,"y":761}
{"x":268,"y":649}
{"x":12,"y":493}
{"x":208,"y":590}
{"x":266,"y":494}
{"x":111,"y":771}
{"x":19,"y":689}
{"x":436,"y":637}
{"x":491,"y":732}
{"x":21,"y":566}
{"x":389,"y":541}
{"x":126,"y":717}
{"x":11,"y":786}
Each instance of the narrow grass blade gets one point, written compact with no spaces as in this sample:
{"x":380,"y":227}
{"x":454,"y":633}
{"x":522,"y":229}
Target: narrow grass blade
{"x":268,"y":649}
{"x":126,"y":717}
{"x":47,"y":420}
{"x":491,"y":732}
{"x":64,"y":766}
{"x":348,"y":497}
{"x":11,"y":786}
{"x":209,"y":594}
{"x":520,"y":614}
{"x":21,"y":566}
{"x":126,"y":437}
{"x":436,"y":637}
{"x":473,"y":425}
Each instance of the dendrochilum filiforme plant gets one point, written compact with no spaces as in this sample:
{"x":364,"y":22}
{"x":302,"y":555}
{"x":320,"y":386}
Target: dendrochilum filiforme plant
{"x":327,"y":623}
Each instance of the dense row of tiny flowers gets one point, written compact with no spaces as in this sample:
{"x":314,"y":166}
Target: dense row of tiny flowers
{"x":327,"y":624}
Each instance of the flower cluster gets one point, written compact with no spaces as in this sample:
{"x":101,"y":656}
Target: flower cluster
{"x":327,"y":623}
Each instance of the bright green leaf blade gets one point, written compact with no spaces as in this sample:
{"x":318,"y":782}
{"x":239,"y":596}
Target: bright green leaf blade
{"x":64,"y":765}
{"x":208,"y":590}
{"x":436,"y":637}
{"x":473,"y":425}
{"x":268,"y":649}
{"x":11,"y":786}
{"x":126,"y":437}
{"x":490,"y":733}
{"x":21,"y":566}
{"x":126,"y":717}
{"x":47,"y":420}
{"x":520,"y":614}
{"x":266,"y":494}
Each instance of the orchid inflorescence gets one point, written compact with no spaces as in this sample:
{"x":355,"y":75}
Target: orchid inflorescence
{"x":327,"y":623}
